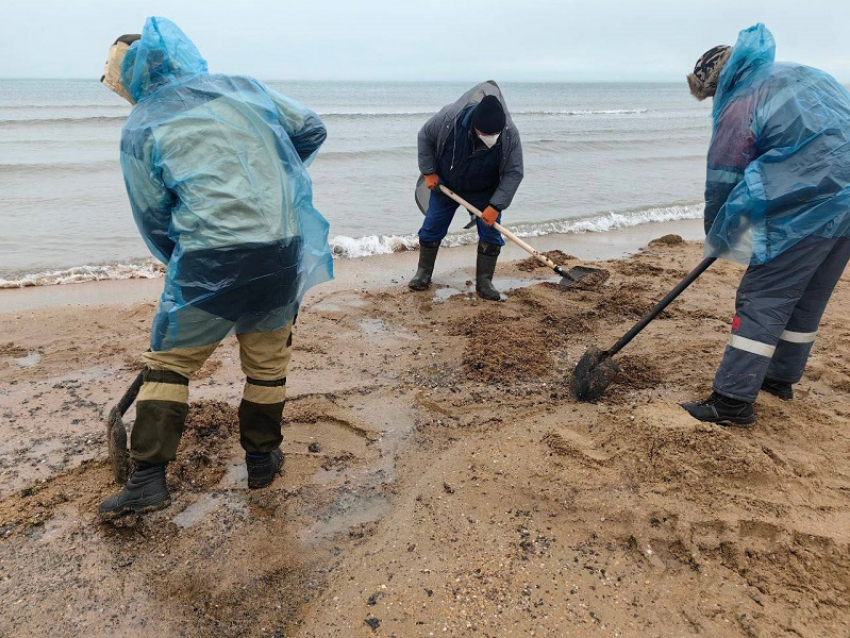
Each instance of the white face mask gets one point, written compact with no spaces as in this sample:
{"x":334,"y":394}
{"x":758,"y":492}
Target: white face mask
{"x":489,"y":140}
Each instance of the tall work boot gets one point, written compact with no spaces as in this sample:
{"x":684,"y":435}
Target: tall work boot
{"x":260,"y":416}
{"x":161,"y":410}
{"x":144,"y":492}
{"x":488,"y":254}
{"x":427,"y":256}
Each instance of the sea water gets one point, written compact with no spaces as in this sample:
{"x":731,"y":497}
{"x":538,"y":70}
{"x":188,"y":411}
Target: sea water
{"x":597,"y":157}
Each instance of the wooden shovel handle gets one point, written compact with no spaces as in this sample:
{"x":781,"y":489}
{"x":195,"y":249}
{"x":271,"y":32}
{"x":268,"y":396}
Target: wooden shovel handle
{"x":537,"y":255}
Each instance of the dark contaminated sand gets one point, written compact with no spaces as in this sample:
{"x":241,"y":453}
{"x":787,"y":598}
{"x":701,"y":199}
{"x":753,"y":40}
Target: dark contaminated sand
{"x":439,"y":479}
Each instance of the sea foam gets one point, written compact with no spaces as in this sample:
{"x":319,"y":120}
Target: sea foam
{"x":359,"y":247}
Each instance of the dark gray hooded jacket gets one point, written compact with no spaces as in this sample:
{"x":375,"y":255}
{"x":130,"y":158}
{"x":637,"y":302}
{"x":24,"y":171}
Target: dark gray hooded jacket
{"x":433,"y":135}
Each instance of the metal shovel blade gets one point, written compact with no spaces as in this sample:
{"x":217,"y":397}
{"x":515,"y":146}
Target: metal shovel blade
{"x":116,"y":440}
{"x":583,"y":277}
{"x":592,"y":375}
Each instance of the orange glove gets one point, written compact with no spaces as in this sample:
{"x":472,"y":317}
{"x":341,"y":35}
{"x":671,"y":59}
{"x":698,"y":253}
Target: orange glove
{"x":432,"y":180}
{"x":490,"y":215}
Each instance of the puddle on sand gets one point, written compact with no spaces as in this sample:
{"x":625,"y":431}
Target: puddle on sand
{"x":236,"y":477}
{"x":502,"y":284}
{"x":338,"y":303}
{"x":358,"y":502}
{"x":348,"y":510}
{"x":373,"y":326}
{"x":441,"y":294}
{"x":32,"y":359}
{"x":376,"y":328}
{"x":46,"y":447}
{"x":200,"y":509}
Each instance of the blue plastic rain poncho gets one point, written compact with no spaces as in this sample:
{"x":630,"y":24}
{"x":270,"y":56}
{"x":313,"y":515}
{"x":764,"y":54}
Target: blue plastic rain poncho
{"x":215,"y":167}
{"x":779,"y":161}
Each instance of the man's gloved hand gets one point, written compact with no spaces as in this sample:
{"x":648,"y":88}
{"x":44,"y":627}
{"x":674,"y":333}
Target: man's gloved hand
{"x":432,"y":180}
{"x":490,"y":215}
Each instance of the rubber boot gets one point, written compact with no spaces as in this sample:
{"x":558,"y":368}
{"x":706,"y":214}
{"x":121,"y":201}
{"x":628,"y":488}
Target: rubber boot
{"x":263,"y":467}
{"x":427,"y":256}
{"x":144,"y":492}
{"x":488,"y":254}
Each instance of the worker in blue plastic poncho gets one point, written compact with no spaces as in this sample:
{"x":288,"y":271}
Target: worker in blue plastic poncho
{"x":473,"y":147}
{"x":777,"y":197}
{"x":215,"y":168}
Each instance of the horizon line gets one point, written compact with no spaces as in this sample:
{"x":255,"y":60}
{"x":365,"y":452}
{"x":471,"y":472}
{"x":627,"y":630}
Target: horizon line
{"x":373,"y":81}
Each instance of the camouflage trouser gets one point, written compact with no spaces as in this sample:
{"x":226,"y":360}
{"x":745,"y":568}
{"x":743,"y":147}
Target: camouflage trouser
{"x":162,"y":404}
{"x":777,"y":312}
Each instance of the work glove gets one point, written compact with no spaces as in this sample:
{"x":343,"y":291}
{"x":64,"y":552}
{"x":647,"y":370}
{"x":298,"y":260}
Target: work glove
{"x":431,"y":180}
{"x":490,"y":215}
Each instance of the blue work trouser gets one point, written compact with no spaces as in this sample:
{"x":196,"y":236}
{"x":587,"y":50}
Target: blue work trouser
{"x":441,"y":211}
{"x":778,"y":308}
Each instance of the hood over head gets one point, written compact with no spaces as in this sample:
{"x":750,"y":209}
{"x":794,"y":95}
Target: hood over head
{"x":163,"y":55}
{"x":754,"y":49}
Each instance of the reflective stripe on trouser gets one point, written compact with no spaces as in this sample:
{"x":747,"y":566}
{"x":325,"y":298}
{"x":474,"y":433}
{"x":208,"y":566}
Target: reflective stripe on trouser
{"x":796,"y":341}
{"x":265,"y":359}
{"x":161,"y":409}
{"x":162,"y":404}
{"x":778,"y":309}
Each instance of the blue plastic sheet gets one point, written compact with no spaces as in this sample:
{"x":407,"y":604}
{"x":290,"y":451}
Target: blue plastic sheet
{"x":779,"y":160}
{"x":215,"y":167}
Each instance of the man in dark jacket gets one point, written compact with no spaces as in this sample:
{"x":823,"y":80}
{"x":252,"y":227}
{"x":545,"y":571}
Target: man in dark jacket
{"x":777,"y":197}
{"x":473,"y":147}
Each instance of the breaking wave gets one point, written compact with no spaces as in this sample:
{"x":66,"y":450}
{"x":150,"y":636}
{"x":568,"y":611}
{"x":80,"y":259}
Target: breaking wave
{"x":146,"y":269}
{"x":358,"y":247}
{"x":344,"y":247}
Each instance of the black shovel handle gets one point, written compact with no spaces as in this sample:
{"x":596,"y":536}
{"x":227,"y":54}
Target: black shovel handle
{"x":661,"y":305}
{"x":130,"y":395}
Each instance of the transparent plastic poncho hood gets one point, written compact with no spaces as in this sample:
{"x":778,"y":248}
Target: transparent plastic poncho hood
{"x":215,"y":169}
{"x":793,"y":178}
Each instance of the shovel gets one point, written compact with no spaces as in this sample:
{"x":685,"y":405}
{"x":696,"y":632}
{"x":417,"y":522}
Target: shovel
{"x":595,"y":370}
{"x":116,"y":433}
{"x":570,"y":277}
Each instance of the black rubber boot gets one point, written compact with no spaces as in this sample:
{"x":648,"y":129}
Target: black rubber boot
{"x":263,"y":467}
{"x":781,"y":389}
{"x":721,"y":410}
{"x":427,"y":256}
{"x":144,"y":492}
{"x":488,"y":254}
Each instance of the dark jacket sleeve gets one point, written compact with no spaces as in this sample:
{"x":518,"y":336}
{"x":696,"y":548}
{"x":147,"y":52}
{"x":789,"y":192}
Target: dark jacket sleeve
{"x":512,"y":175}
{"x":733,"y":147}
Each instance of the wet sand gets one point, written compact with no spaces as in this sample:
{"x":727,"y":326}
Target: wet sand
{"x":439,"y":478}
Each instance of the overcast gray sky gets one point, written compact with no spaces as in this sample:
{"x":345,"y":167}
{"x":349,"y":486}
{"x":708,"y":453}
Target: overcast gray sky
{"x":522,"y":40}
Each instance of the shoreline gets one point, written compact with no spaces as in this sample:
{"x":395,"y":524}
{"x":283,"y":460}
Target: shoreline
{"x":369,"y":273}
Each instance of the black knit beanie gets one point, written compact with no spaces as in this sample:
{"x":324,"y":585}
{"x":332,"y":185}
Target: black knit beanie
{"x":489,"y":116}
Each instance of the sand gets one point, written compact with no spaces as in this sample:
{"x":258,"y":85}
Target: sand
{"x":440,"y":480}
